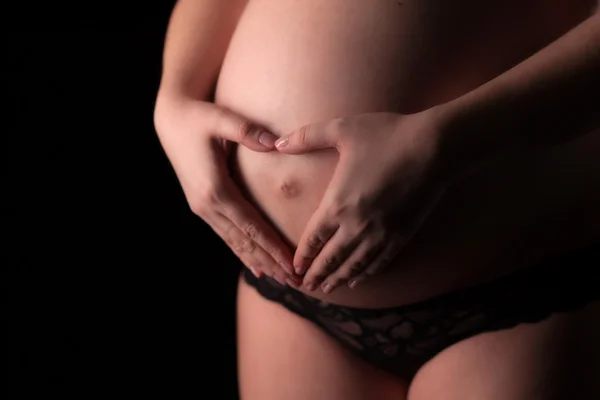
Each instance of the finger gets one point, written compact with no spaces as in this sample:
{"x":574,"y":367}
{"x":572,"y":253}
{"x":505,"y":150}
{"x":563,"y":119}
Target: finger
{"x":317,"y":232}
{"x":355,"y":264}
{"x":383,"y":260}
{"x":334,"y":253}
{"x":308,"y":138}
{"x":227,"y":200}
{"x":243,"y":245}
{"x":247,"y":219}
{"x":324,"y":222}
{"x":379,"y":263}
{"x":248,"y":251}
{"x":418,"y":212}
{"x":253,"y":229}
{"x":217,"y":227}
{"x":231,"y":236}
{"x":230,"y":126}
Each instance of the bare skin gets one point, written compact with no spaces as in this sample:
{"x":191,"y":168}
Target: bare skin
{"x":403,"y":58}
{"x":542,"y":201}
{"x":283,"y":356}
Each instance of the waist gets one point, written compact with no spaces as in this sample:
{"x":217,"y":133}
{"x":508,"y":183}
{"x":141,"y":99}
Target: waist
{"x":502,"y":219}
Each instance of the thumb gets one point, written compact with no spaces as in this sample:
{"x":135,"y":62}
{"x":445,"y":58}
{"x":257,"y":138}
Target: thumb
{"x":232,"y":127}
{"x":307,"y":138}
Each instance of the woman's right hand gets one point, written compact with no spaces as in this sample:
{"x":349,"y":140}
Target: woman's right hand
{"x":196,"y":136}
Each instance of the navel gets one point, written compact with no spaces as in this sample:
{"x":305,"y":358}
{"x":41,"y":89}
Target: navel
{"x":290,"y":189}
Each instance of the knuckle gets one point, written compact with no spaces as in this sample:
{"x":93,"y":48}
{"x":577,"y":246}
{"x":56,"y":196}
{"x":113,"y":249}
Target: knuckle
{"x":329,"y":268}
{"x":243,"y":130}
{"x":341,"y":130}
{"x":344,"y":274}
{"x":218,"y":119}
{"x":356,"y":267}
{"x":318,"y":277}
{"x":302,"y":135}
{"x":237,"y":248}
{"x":249,"y":246}
{"x":244,"y":246}
{"x":340,"y":125}
{"x":244,"y":257}
{"x":330,"y":261}
{"x":362,"y":225}
{"x":306,"y":261}
{"x":341,"y":122}
{"x":232,"y":233}
{"x":275,"y":253}
{"x":337,"y":209}
{"x":263,"y":267}
{"x":314,"y":241}
{"x":250,"y":231}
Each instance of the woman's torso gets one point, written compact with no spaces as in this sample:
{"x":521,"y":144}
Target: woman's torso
{"x":291,"y":63}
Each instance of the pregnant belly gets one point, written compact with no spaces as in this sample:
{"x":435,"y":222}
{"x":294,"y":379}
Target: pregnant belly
{"x":512,"y":214}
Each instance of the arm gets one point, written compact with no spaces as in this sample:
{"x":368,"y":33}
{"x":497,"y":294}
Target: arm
{"x":387,"y":180}
{"x":553,"y":96}
{"x":195,"y":133}
{"x":197,"y":39}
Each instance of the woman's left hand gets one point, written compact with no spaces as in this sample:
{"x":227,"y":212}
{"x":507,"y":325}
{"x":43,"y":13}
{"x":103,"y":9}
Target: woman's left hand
{"x":388,"y":178}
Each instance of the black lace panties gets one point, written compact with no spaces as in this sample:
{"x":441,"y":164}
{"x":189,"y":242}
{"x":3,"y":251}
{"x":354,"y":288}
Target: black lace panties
{"x":401,"y":339}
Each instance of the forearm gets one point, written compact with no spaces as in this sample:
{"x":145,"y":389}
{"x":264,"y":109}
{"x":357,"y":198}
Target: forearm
{"x":551,"y":97}
{"x":197,"y":39}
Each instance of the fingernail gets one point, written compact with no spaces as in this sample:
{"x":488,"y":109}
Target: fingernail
{"x":255,"y":272}
{"x":300,"y":268}
{"x":267,"y":139}
{"x":353,"y":282}
{"x":282,"y":142}
{"x":311,"y":286}
{"x":326,"y":288}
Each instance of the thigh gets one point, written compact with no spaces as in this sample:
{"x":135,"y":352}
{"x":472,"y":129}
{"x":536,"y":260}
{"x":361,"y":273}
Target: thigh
{"x":283,"y":356}
{"x":555,"y":359}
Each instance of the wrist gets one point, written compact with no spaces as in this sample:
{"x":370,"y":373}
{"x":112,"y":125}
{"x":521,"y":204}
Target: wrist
{"x":169,"y":103}
{"x":168,"y":96}
{"x":464,"y":141}
{"x":448,"y":161}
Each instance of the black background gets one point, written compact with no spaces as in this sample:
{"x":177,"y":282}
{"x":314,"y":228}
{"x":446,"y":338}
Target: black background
{"x":115,"y":286}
